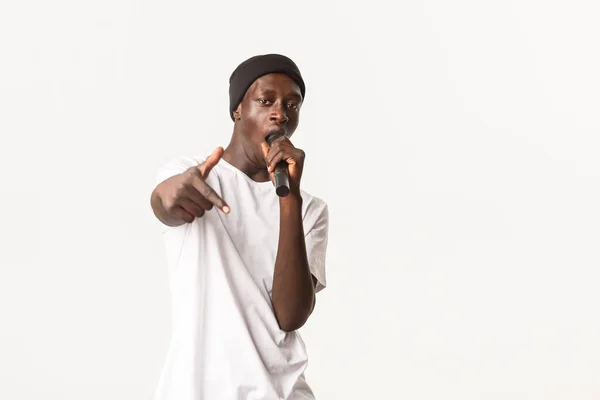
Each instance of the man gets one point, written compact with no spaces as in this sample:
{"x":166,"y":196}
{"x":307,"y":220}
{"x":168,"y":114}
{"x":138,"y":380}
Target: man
{"x":244,"y":263}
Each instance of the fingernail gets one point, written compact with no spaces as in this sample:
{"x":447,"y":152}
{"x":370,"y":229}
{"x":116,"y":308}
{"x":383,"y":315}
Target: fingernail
{"x":226,"y":210}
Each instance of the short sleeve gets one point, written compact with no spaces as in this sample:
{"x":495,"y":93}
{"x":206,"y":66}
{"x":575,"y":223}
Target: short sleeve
{"x":316,"y":248}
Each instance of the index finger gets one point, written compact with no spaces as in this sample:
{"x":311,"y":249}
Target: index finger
{"x":211,"y":161}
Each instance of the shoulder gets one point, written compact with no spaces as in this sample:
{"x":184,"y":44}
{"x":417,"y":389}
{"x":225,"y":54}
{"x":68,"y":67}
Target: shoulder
{"x":315,"y":209}
{"x":176,"y":165}
{"x":313,"y":202}
{"x":182,"y":161}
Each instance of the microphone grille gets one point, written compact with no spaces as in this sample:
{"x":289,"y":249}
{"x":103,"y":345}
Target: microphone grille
{"x":272,"y":137}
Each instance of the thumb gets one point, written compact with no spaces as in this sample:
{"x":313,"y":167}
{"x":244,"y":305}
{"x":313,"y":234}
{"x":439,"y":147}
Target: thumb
{"x":211,"y":161}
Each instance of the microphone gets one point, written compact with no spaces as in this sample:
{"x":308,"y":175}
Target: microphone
{"x":280,"y":174}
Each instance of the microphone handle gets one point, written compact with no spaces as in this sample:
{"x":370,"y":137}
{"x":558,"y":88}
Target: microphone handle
{"x":281,"y":178}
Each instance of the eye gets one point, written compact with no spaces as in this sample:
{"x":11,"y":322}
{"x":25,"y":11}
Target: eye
{"x":264,"y":101}
{"x":293,"y":106}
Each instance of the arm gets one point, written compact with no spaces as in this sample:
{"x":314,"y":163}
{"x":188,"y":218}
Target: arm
{"x":293,"y":293}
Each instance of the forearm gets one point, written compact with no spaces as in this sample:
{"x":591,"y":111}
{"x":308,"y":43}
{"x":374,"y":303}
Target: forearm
{"x":293,"y":289}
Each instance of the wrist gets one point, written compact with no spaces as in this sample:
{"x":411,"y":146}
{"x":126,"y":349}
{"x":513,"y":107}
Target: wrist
{"x":291,"y":201}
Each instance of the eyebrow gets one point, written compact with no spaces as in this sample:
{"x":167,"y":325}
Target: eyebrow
{"x":294,"y":95}
{"x":266,"y":91}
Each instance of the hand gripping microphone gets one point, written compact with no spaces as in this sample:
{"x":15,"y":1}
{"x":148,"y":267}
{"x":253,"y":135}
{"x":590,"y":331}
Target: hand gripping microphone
{"x":280,"y":174}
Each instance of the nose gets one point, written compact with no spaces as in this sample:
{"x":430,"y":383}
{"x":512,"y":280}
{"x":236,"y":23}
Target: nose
{"x":278,"y":113}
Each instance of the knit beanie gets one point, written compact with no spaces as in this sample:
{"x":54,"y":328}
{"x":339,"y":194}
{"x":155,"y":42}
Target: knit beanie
{"x":255,"y":67}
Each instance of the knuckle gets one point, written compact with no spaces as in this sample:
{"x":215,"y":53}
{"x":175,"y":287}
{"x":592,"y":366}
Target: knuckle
{"x":180,"y":191}
{"x":169,"y":207}
{"x":169,"y":203}
{"x":193,"y":172}
{"x":206,"y":191}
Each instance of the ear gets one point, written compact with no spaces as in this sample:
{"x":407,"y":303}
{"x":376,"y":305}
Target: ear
{"x":238,"y":112}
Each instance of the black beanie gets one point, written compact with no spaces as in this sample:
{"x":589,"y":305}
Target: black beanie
{"x":255,"y":67}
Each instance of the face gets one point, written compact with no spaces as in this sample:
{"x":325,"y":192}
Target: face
{"x":271,"y":104}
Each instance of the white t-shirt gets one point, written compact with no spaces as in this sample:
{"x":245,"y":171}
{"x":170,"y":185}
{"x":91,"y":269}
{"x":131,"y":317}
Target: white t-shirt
{"x":226,"y":343}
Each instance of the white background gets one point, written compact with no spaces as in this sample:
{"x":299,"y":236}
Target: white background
{"x":456,"y":142}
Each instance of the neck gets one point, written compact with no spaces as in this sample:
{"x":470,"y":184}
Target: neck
{"x":239,"y":154}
